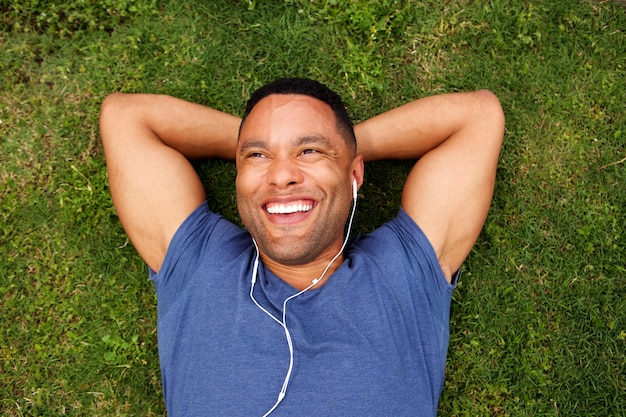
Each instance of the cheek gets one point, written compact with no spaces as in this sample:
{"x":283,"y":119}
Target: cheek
{"x":247,"y":185}
{"x":241,"y":191}
{"x":246,"y":182}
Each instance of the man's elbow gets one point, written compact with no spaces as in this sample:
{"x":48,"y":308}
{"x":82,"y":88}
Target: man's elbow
{"x":109,"y":112}
{"x":490,"y":105}
{"x":492,"y":114}
{"x":110,"y":104}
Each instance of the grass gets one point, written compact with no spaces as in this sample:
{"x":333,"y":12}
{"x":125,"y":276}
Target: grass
{"x":538,"y":321}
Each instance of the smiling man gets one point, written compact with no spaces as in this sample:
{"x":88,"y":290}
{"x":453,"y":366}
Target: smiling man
{"x":295,"y":171}
{"x":287,"y":316}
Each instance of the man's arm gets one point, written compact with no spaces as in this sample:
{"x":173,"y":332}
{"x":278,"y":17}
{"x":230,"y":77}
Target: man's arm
{"x":147,"y":140}
{"x":457,"y":138}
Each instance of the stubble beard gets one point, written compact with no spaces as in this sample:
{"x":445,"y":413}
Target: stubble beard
{"x":297,"y":250}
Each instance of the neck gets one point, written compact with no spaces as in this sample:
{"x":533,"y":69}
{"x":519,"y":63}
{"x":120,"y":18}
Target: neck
{"x":302,"y":276}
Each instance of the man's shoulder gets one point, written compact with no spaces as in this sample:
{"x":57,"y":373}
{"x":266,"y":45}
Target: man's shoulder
{"x":203,"y":223}
{"x":204,"y":237}
{"x":399,"y":245}
{"x":400,"y":230}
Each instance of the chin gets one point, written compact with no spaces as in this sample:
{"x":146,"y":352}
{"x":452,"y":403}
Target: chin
{"x":291,"y":253}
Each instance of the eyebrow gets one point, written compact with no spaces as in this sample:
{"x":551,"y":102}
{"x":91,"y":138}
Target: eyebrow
{"x":321,"y":140}
{"x":300,"y":141}
{"x":253,"y":144}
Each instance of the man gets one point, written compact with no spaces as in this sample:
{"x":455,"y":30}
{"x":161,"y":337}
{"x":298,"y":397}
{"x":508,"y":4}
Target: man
{"x":285,"y":317}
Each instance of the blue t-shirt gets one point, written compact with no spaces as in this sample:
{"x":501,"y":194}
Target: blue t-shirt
{"x":372,"y":341}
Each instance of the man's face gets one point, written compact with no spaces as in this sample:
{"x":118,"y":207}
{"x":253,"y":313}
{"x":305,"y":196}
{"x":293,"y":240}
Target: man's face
{"x":294,"y":179}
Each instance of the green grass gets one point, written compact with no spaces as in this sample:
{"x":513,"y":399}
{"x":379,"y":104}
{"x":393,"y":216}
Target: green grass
{"x":539,"y":318}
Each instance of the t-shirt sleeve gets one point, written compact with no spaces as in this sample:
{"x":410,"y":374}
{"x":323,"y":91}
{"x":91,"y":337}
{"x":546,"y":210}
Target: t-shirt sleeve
{"x":401,"y":243}
{"x":200,"y":236}
{"x":413,"y":237}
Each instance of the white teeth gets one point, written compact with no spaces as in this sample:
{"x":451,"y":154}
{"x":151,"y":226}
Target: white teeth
{"x":288,"y":208}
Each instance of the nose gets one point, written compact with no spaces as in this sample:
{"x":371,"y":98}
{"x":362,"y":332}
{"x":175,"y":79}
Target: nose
{"x":283,"y":173}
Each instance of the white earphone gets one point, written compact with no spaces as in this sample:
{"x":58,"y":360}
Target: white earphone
{"x":354,"y":189}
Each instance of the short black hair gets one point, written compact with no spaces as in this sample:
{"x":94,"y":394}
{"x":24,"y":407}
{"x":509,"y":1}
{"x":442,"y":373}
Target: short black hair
{"x":311,"y":88}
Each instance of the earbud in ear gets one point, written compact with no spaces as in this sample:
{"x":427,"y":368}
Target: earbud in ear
{"x":354,"y":189}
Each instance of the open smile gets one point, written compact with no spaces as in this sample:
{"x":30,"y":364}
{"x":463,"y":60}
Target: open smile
{"x":289,"y":212}
{"x":301,"y":206}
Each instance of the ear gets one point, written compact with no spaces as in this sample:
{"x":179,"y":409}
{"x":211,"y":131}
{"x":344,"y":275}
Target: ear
{"x":358,"y":170}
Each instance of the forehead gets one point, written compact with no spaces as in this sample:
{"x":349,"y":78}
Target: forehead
{"x":280,"y":114}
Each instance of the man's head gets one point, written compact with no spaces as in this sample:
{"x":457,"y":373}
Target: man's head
{"x":296,"y":164}
{"x":311,"y":88}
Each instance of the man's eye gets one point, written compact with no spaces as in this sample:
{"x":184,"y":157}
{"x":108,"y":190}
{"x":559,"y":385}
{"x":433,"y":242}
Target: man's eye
{"x":256,"y":155}
{"x":309,"y":151}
